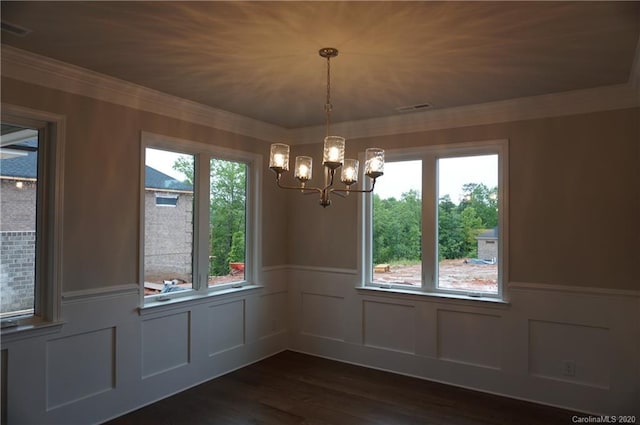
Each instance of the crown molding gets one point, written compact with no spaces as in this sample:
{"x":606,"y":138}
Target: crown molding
{"x":29,"y":67}
{"x":550,"y":105}
{"x":36,"y":69}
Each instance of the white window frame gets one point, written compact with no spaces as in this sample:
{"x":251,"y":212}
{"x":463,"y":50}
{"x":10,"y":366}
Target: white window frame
{"x":203,"y":153}
{"x":49,"y":222}
{"x":429,"y":156}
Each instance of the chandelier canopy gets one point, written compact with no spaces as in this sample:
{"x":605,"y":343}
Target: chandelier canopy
{"x":332,"y":159}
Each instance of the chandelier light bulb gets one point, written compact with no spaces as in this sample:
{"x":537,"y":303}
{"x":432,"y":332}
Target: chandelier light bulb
{"x":279,"y":157}
{"x":303,"y":168}
{"x":349,"y":172}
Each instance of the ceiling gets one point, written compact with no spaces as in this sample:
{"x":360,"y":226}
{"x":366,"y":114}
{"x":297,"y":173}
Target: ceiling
{"x":260,"y":59}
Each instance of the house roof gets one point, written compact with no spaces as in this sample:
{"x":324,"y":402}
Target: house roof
{"x":489,"y":234}
{"x":155,"y":179}
{"x":21,"y":166}
{"x":26,"y":167}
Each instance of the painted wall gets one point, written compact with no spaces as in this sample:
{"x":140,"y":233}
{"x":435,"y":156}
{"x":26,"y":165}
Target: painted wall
{"x":109,"y":357}
{"x":573,"y":176}
{"x":570,"y":332}
{"x":572,"y":179}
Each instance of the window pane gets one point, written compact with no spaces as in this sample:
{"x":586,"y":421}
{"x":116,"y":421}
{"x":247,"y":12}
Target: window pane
{"x":227,"y":197}
{"x":19,"y":195}
{"x":468,"y":223}
{"x":397,"y":225}
{"x":168,"y":236}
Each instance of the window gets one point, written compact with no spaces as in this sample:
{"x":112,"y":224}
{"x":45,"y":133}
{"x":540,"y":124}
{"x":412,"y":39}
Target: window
{"x":168,"y":238}
{"x":436,"y":221}
{"x":166,"y":200}
{"x":30,"y":184}
{"x":205,"y":241}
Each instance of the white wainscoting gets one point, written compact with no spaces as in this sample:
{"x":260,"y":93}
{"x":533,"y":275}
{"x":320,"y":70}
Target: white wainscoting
{"x":380,"y":321}
{"x":519,"y":349}
{"x":69,"y":376}
{"x":109,"y":359}
{"x":472,"y":338}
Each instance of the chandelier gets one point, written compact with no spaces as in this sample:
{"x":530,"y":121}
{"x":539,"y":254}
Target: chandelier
{"x":333,"y":157}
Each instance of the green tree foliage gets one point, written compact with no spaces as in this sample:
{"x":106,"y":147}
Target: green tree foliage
{"x":397,"y":224}
{"x":236,"y":253}
{"x":451,"y":236}
{"x":227,"y":200}
{"x":184,"y":165}
{"x":483,"y":200}
{"x":397,"y":228}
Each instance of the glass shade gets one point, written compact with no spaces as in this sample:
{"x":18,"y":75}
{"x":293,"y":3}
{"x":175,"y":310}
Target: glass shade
{"x":349,"y":174}
{"x":279,"y":157}
{"x":303,"y":168}
{"x":333,"y":151}
{"x":374,"y":163}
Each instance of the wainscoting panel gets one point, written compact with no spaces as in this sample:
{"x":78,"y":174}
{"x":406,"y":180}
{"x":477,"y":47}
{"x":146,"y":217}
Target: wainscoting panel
{"x":165,"y":343}
{"x":389,"y":326}
{"x":470,"y":338}
{"x":226,"y":326}
{"x":517,"y":349}
{"x":322,"y":315}
{"x":272,"y":315}
{"x":570,"y":352}
{"x":80,"y":366}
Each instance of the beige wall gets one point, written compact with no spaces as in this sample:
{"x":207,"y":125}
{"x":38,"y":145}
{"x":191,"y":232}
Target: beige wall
{"x":102,"y":171}
{"x":574,"y":191}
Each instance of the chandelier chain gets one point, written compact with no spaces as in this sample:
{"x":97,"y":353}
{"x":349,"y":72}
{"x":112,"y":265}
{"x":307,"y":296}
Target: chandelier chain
{"x":328,"y":105}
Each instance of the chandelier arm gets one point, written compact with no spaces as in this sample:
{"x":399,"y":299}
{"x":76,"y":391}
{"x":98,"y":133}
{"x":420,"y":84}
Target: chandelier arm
{"x":300,"y":188}
{"x":373,"y":185}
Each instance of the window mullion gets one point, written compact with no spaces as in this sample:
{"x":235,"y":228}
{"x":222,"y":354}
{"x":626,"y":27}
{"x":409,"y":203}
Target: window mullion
{"x":201,"y":213}
{"x":429,"y":222}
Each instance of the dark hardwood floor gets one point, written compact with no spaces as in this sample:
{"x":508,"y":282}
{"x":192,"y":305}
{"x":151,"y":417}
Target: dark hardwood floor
{"x":291,"y":388}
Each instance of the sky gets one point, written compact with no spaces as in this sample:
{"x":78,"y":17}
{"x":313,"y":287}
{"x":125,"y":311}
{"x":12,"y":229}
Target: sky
{"x":398,"y":178}
{"x":163,"y":161}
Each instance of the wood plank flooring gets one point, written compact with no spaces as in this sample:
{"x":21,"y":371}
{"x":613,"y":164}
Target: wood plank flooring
{"x":292,"y":388}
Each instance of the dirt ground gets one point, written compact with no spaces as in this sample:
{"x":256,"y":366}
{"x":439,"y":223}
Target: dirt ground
{"x":454,"y":274}
{"x":152,"y":283}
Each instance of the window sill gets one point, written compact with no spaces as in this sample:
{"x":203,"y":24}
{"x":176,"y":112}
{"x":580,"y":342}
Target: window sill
{"x":194,"y":299}
{"x":30,"y":330}
{"x":459,"y":299}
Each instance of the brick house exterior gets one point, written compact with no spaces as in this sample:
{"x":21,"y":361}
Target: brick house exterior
{"x":488,"y":244}
{"x":168,"y":226}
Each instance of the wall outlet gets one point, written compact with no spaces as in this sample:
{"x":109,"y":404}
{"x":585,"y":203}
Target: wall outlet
{"x":569,"y":368}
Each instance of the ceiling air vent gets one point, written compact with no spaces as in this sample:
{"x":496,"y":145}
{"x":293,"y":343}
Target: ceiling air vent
{"x":14,"y":29}
{"x":414,"y":108}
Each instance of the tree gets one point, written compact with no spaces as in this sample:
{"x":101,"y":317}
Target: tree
{"x":227,"y":201}
{"x":471,"y":227}
{"x":397,"y":228}
{"x":451,"y":238}
{"x":227,"y":213}
{"x":483,"y":200}
{"x":184,"y":165}
{"x":397,"y":224}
